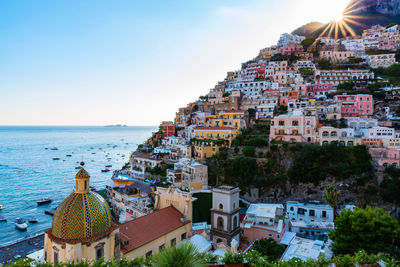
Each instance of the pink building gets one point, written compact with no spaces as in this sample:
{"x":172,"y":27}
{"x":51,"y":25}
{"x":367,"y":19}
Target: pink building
{"x":252,"y":72}
{"x":292,"y":48}
{"x":392,"y":158}
{"x":264,"y":221}
{"x":316,"y":90}
{"x":297,"y":126}
{"x":356,"y":105}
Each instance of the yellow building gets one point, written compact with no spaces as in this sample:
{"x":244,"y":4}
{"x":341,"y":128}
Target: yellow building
{"x":147,"y":235}
{"x":204,"y":150}
{"x":216,"y":133}
{"x":82,"y":227}
{"x":181,"y":200}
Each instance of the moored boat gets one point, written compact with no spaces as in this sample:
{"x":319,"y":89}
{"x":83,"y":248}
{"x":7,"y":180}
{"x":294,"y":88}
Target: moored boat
{"x":3,"y":219}
{"x":53,"y":148}
{"x":33,"y":220}
{"x":20,"y":224}
{"x":43,"y":201}
{"x":105,"y":170}
{"x":108,"y":166}
{"x":56,"y":158}
{"x":1,"y":207}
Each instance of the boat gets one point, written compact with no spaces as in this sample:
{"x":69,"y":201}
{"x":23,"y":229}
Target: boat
{"x":1,"y":207}
{"x":69,"y":155}
{"x":3,"y":219}
{"x":21,"y":224}
{"x":56,"y":158}
{"x":33,"y":220}
{"x":78,"y":167}
{"x":53,"y":148}
{"x":108,"y":166}
{"x":50,"y":211}
{"x":43,"y":201}
{"x":105,"y":170}
{"x":93,"y":153}
{"x":46,"y":148}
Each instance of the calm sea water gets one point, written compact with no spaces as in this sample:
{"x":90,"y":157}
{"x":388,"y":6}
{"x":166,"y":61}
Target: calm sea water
{"x":29,"y":173}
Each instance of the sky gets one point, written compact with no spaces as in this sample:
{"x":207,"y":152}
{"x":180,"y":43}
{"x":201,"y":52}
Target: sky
{"x":100,"y":62}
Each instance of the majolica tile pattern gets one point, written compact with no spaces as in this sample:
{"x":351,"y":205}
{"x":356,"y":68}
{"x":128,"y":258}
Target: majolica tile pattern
{"x":81,"y":215}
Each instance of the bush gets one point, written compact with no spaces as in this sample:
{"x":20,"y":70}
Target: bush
{"x":248,"y":151}
{"x":233,"y":258}
{"x":269,"y":248}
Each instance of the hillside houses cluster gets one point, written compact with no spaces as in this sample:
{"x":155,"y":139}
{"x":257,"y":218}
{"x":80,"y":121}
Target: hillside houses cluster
{"x":288,"y":89}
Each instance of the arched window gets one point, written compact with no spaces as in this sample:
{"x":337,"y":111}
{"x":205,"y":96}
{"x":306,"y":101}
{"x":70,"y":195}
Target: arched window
{"x":333,"y":134}
{"x":221,"y":206}
{"x":234,"y":205}
{"x":325,"y":134}
{"x":220,"y":223}
{"x":235,"y":222}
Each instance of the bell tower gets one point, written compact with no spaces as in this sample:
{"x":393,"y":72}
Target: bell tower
{"x":225,"y":214}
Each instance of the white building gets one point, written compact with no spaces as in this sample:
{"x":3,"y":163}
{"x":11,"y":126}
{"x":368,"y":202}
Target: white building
{"x":309,"y":219}
{"x":378,"y":132}
{"x":287,"y":38}
{"x":383,"y":60}
{"x":305,"y":249}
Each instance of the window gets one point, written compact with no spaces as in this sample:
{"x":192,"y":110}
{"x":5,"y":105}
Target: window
{"x":161,"y":247}
{"x":324,"y":214}
{"x":235,"y":222}
{"x":291,"y":208}
{"x":183,"y":236}
{"x":281,"y":123}
{"x":85,"y":185}
{"x":220,"y":223}
{"x":148,"y":254}
{"x":311,"y":212}
{"x":99,"y":252}
{"x":295,"y":123}
{"x":55,"y":257}
{"x":173,"y":242}
{"x":221,"y":206}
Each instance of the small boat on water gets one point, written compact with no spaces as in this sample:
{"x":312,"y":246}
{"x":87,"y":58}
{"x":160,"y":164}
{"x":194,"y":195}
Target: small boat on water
{"x":53,"y":148}
{"x":78,"y":167}
{"x":3,"y":219}
{"x":105,"y":170}
{"x":33,"y":220}
{"x":1,"y":207}
{"x":92,"y":188}
{"x":44,"y":201}
{"x":93,"y":153}
{"x":46,"y":148}
{"x":56,"y":158}
{"x":20,"y":224}
{"x":50,"y":211}
{"x":69,"y":155}
{"x":108,"y":166}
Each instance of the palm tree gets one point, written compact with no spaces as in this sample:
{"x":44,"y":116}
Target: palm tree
{"x":331,"y":197}
{"x":184,"y":254}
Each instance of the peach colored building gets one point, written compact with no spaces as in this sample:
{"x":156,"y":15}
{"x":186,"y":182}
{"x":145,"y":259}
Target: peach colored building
{"x":297,"y":126}
{"x":336,"y":56}
{"x":264,"y":221}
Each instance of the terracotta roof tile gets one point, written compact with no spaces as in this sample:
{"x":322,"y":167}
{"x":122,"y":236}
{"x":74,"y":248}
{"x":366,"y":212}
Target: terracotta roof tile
{"x":144,"y":229}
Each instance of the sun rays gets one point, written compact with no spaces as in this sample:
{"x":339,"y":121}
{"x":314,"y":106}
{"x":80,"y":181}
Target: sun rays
{"x":343,"y":26}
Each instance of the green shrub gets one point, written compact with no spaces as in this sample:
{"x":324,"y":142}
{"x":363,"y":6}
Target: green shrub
{"x":248,"y":151}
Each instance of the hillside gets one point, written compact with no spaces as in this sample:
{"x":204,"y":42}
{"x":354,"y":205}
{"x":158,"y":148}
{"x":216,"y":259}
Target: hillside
{"x":277,"y":172}
{"x":365,"y":20}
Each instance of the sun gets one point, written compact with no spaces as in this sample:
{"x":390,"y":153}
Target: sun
{"x":337,"y":16}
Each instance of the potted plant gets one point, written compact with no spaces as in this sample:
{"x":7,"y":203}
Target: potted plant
{"x":344,"y":261}
{"x":363,"y":259}
{"x":233,"y":259}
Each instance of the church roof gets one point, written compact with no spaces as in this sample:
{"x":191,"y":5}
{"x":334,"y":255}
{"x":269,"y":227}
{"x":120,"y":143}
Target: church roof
{"x":147,"y":228}
{"x":81,"y":215}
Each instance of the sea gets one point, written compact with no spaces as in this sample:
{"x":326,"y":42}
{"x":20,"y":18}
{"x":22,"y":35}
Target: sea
{"x":28,"y":171}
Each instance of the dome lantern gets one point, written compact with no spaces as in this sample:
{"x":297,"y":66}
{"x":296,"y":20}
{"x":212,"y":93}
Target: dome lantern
{"x":82,"y":181}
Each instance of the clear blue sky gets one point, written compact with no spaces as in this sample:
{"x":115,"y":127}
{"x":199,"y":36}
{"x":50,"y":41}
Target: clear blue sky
{"x":81,"y":62}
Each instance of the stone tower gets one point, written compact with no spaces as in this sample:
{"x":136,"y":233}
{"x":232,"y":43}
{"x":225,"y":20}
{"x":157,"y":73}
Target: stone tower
{"x":225,"y":214}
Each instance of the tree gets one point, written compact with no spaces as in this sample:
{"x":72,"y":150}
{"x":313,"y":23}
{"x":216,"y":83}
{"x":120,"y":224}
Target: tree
{"x":269,"y":248}
{"x":325,"y":64}
{"x":331,"y":196}
{"x":248,"y":151}
{"x":307,"y":42}
{"x":397,"y":112}
{"x":283,"y":109}
{"x":372,"y":230}
{"x":342,"y":123}
{"x":184,"y":254}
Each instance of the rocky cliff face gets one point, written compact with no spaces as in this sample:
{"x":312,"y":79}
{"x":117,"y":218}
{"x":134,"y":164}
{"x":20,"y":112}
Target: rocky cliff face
{"x":389,"y":7}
